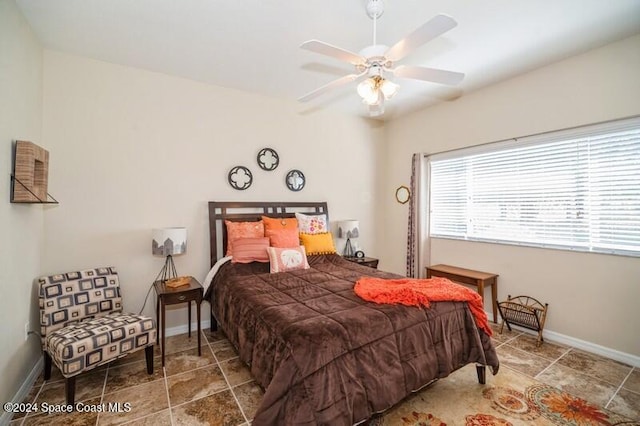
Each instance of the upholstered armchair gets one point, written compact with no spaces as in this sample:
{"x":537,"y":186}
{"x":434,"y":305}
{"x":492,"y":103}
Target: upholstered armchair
{"x":83,"y":326}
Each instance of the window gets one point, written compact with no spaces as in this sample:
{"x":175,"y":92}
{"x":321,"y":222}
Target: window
{"x":576,"y":189}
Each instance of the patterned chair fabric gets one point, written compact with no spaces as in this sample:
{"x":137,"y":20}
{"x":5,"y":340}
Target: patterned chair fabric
{"x":82,"y":322}
{"x":91,"y":343}
{"x":69,"y":298}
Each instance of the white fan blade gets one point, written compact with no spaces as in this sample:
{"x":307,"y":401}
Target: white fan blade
{"x":431,"y":29}
{"x":429,"y":74}
{"x":332,"y":85}
{"x":333,"y":51}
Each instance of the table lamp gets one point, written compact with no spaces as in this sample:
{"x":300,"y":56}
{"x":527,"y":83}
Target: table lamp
{"x":168,"y":242}
{"x":349,"y":229}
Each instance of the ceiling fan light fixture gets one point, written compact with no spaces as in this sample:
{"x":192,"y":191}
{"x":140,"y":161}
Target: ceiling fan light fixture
{"x":388,"y":89}
{"x":368,"y":91}
{"x":374,"y":90}
{"x":377,"y":109}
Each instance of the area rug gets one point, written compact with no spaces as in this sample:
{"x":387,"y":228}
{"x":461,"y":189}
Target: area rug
{"x":509,"y":398}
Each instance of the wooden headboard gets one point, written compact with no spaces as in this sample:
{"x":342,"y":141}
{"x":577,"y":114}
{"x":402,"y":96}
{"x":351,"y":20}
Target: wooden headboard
{"x":250,"y":211}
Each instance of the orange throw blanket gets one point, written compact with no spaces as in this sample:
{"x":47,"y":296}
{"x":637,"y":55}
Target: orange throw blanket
{"x":416,"y":292}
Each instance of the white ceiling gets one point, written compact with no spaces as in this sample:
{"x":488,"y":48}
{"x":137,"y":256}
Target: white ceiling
{"x":253,"y":45}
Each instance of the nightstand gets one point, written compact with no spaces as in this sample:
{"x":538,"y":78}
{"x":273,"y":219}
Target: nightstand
{"x":171,"y":296}
{"x":371,"y":262}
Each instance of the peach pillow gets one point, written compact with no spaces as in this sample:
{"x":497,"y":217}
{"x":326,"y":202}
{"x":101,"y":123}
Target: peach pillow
{"x":236,"y":230}
{"x":318,"y":243}
{"x":287,"y":259}
{"x":247,"y":250}
{"x":284,"y":238}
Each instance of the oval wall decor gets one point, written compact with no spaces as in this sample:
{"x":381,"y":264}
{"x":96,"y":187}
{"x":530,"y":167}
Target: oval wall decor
{"x":240,"y":178}
{"x":268,"y":159}
{"x":295,"y":180}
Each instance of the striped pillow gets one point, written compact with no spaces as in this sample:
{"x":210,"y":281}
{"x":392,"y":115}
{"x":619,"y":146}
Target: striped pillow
{"x":247,"y":250}
{"x":237,"y":230}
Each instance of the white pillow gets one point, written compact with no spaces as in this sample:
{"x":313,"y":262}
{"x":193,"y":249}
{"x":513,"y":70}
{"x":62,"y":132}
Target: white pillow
{"x":312,"y":223}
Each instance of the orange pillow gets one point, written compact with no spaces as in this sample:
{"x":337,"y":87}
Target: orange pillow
{"x":284,"y":238}
{"x":318,"y":243}
{"x":236,"y":230}
{"x":247,"y":250}
{"x":287,"y":259}
{"x":276,"y":223}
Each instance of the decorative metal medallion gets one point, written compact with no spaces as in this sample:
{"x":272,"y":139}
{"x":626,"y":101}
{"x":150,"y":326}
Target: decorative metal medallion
{"x":240,"y":178}
{"x":295,"y":180}
{"x":268,"y":159}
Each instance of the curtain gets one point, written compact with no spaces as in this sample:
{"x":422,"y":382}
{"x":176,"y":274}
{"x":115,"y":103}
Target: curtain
{"x":413,"y":230}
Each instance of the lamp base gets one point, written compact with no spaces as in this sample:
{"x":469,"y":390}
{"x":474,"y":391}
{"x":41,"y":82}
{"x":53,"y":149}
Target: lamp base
{"x":168,"y":271}
{"x":178,"y":282}
{"x":348,"y":249}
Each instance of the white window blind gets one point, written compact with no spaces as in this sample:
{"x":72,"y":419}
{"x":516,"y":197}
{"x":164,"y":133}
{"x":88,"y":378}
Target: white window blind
{"x":575,"y":189}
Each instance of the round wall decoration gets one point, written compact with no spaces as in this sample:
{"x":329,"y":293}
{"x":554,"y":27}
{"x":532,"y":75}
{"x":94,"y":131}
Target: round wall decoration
{"x":295,"y":180}
{"x":240,"y":178}
{"x":268,"y":159}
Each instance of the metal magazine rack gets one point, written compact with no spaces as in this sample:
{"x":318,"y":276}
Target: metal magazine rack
{"x":523,"y":311}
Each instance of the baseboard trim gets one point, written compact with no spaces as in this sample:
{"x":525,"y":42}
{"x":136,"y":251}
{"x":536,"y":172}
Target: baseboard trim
{"x":593,"y":348}
{"x":24,"y":389}
{"x":180,"y":329}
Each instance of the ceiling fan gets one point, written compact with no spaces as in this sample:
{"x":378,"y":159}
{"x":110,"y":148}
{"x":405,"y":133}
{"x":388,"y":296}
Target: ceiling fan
{"x":373,"y":63}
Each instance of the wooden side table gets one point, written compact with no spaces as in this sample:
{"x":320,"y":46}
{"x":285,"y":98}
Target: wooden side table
{"x":170,"y":296}
{"x":371,"y":262}
{"x":469,"y":276}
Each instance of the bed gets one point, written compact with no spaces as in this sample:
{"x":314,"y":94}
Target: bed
{"x":322,"y":354}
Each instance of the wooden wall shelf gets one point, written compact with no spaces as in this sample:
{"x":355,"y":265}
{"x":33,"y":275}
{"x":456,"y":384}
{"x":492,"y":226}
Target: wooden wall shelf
{"x":48,"y":200}
{"x":30,"y":175}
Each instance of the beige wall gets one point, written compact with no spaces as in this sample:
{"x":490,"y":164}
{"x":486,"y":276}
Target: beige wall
{"x":591,"y":297}
{"x":133,"y":150}
{"x":21,"y":225}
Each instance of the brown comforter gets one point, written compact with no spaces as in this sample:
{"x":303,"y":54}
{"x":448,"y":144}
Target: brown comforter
{"x":325,"y":356}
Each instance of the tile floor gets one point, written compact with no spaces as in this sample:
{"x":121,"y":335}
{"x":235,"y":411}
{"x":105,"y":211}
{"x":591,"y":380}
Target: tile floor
{"x":217,"y":389}
{"x":602,"y":381}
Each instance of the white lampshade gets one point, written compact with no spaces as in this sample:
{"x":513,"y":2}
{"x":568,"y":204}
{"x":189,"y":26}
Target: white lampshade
{"x":368,"y":91}
{"x":388,"y":89}
{"x":169,"y":241}
{"x":348,"y":229}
